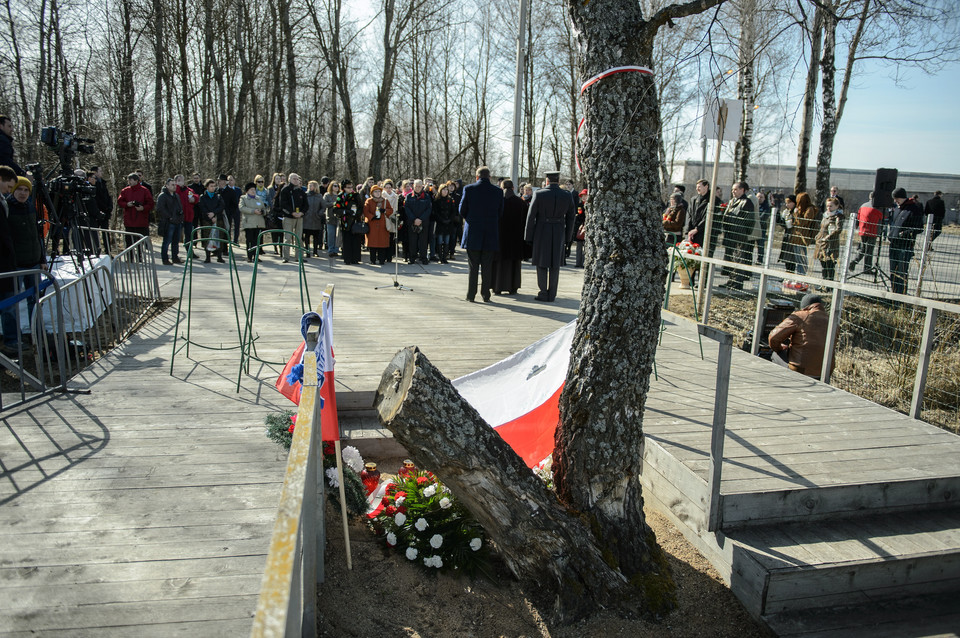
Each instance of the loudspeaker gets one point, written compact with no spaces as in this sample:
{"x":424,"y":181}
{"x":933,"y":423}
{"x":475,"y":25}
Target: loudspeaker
{"x":883,"y":188}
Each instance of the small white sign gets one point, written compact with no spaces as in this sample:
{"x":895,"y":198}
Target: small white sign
{"x":711,"y":121}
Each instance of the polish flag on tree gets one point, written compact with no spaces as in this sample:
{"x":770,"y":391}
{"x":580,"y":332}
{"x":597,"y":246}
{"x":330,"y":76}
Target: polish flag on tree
{"x":290,"y":382}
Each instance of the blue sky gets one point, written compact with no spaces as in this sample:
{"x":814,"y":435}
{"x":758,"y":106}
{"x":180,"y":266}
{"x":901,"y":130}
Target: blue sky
{"x":914,"y":127}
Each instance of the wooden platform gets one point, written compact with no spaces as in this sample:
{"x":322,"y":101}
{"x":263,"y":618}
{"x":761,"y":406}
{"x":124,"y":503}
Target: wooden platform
{"x":145,"y":508}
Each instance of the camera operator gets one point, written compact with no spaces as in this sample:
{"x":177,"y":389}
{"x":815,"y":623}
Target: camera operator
{"x":89,"y":212}
{"x":23,"y":252}
{"x":136,"y":202}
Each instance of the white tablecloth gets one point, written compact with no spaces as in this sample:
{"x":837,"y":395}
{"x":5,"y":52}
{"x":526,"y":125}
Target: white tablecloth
{"x":82,"y":303}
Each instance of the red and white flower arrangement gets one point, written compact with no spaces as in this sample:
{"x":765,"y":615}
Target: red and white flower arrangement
{"x":422,"y":519}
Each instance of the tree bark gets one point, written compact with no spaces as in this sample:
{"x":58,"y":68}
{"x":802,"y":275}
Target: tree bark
{"x":291,"y":116}
{"x":548,"y":548}
{"x":809,"y":101}
{"x":828,"y":131}
{"x":746,"y":87}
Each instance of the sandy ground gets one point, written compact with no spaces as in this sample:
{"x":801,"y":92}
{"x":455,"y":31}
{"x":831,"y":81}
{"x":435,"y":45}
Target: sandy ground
{"x":386,"y":595}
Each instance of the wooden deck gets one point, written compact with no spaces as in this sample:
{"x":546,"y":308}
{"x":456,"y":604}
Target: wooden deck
{"x":149,"y":503}
{"x":146,"y":507}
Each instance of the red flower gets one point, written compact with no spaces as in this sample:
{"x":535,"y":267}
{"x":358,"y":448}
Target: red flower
{"x":399,"y":494}
{"x":422,"y":479}
{"x":329,"y":448}
{"x":402,"y":509}
{"x":290,"y":429}
{"x":293,"y":419}
{"x":390,"y":510}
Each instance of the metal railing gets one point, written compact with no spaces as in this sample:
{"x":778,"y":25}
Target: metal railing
{"x":288,"y":595}
{"x":845,"y":295}
{"x":76,"y":311}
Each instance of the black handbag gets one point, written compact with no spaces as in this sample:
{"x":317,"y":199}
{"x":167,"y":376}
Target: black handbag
{"x":360,"y":228}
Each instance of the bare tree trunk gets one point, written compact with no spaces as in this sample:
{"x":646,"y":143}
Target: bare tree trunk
{"x":828,"y":131}
{"x":291,"y":115}
{"x":809,"y":102}
{"x":852,"y":57}
{"x":745,"y":87}
{"x":159,"y":49}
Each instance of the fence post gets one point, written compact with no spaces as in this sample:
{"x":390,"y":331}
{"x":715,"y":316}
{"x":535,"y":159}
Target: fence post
{"x":923,"y":362}
{"x":715,"y":515}
{"x":836,"y":307}
{"x":924,"y":253}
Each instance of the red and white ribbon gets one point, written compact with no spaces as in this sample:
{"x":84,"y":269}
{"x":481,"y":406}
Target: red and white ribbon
{"x":614,"y":71}
{"x":599,"y":76}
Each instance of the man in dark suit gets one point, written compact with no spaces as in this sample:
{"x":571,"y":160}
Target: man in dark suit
{"x":481,"y":208}
{"x":550,"y":228}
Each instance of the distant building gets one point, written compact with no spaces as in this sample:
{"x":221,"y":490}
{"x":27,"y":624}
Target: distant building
{"x":855,"y":185}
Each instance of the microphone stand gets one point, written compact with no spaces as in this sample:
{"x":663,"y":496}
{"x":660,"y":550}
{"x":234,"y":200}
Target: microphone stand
{"x":396,"y":285}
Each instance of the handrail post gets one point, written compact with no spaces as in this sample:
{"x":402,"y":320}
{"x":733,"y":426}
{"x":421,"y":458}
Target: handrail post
{"x":923,"y":362}
{"x":715,"y":513}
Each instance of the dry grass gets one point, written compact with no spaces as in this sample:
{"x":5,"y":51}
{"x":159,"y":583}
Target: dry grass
{"x":877,"y":352}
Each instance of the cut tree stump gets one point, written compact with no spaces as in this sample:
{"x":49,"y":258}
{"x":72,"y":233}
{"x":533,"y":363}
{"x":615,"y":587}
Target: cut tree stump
{"x":550,"y":549}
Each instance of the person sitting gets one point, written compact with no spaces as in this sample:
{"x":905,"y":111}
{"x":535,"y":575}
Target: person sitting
{"x":802,"y":337}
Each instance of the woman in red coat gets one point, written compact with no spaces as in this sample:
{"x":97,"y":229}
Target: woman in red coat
{"x":376,"y":210}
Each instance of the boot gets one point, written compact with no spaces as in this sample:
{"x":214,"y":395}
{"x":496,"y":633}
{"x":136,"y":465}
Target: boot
{"x":219,"y":257}
{"x":207,"y":260}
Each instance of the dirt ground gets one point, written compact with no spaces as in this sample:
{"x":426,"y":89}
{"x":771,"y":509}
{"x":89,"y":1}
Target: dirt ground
{"x":386,"y":595}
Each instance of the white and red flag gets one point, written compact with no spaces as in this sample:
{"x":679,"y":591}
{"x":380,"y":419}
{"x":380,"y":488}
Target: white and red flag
{"x":290,"y":382}
{"x":520,"y":395}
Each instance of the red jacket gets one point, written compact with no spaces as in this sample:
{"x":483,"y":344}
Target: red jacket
{"x":869,"y":218}
{"x":185,"y":193}
{"x":133,"y":218}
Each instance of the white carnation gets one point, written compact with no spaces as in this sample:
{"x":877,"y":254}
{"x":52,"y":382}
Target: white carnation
{"x":412,"y":553}
{"x":421,"y":524}
{"x":391,"y":539}
{"x":400,"y":519}
{"x":433,"y":561}
{"x":332,"y":477}
{"x":430,"y":490}
{"x":351,"y":456}
{"x":436,"y":541}
{"x":475,"y":544}
{"x":400,"y":500}
{"x":445,"y":503}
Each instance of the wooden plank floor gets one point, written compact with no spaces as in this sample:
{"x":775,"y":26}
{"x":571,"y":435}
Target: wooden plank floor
{"x":146,"y":507}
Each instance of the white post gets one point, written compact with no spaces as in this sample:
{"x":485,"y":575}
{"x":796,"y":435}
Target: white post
{"x":518,"y":94}
{"x":703,"y":291}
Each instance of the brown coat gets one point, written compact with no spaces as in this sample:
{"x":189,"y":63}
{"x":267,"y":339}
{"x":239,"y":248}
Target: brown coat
{"x":805,"y":221}
{"x":803,"y":334}
{"x":674,"y":218}
{"x":378,"y":237}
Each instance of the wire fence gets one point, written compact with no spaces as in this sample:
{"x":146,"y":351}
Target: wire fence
{"x":899,"y":350}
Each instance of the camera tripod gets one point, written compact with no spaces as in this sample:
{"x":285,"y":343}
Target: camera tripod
{"x":880,"y":276}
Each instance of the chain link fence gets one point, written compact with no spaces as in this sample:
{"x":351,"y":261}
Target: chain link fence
{"x":897,"y":350}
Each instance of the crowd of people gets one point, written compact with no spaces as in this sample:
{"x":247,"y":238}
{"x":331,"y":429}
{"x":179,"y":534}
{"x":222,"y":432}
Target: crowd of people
{"x":740,"y":226}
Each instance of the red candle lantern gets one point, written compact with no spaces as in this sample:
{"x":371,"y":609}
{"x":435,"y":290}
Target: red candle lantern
{"x":370,"y":477}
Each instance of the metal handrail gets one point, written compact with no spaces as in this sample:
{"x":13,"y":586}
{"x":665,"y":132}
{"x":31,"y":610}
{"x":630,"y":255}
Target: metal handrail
{"x":287,"y":605}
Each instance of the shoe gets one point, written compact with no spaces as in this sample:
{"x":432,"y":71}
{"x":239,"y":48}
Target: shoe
{"x":286,"y":261}
{"x":166,"y":262}
{"x":541,"y":297}
{"x":434,"y":258}
{"x":424,"y":261}
{"x":444,"y":261}
{"x":220,"y":259}
{"x":7,"y":351}
{"x":207,"y":260}
{"x":176,"y":260}
{"x":471,"y":299}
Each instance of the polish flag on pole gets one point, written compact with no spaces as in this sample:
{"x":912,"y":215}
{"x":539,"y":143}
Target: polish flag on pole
{"x":329,"y":425}
{"x":520,"y":396}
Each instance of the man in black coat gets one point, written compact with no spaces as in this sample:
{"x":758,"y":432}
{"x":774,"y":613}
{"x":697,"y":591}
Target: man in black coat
{"x":481,"y":208}
{"x":104,"y":203}
{"x":550,"y":228}
{"x":739,"y":220}
{"x":6,"y":146}
{"x":936,"y":208}
{"x":294,"y":204}
{"x":905,"y":224}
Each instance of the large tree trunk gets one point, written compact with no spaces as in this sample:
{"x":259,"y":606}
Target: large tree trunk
{"x":547,"y":547}
{"x":809,"y":102}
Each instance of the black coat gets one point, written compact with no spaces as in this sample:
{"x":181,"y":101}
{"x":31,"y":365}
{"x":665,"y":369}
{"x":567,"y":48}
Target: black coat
{"x":445,"y":215}
{"x":906,"y":222}
{"x":293,"y":198}
{"x":104,"y":201}
{"x":231,"y":198}
{"x":6,"y":154}
{"x":512,"y":226}
{"x":936,"y":208}
{"x":550,"y":225}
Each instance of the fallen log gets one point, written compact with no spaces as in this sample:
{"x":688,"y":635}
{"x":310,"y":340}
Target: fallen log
{"x":551,"y":550}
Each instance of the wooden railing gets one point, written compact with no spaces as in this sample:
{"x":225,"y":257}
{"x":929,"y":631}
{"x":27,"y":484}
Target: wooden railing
{"x":288,"y":594}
